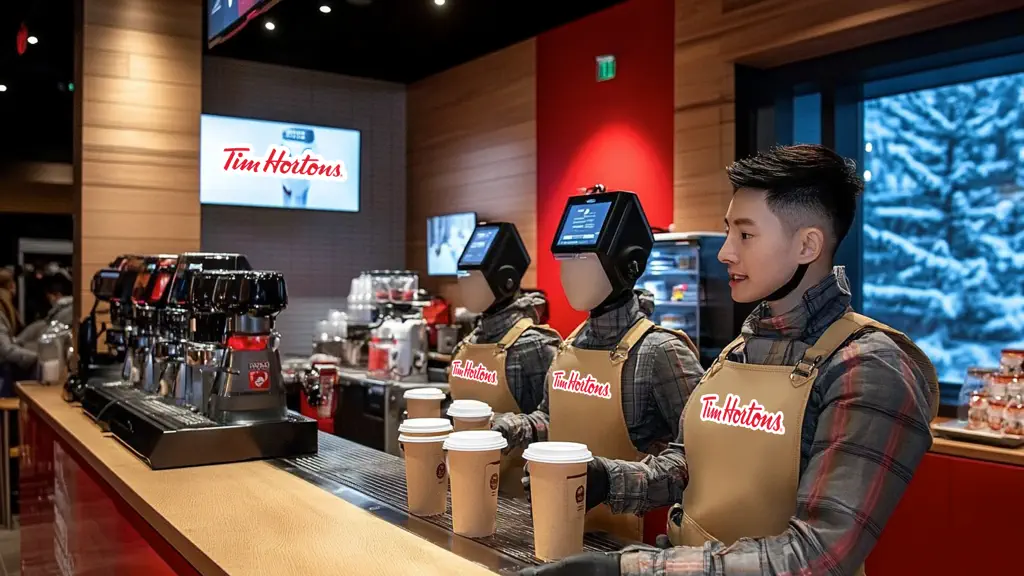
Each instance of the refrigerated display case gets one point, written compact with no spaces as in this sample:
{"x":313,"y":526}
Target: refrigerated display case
{"x":691,"y":290}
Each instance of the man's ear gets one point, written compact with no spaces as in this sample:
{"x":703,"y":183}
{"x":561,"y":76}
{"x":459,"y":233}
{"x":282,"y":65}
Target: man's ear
{"x":812,"y":244}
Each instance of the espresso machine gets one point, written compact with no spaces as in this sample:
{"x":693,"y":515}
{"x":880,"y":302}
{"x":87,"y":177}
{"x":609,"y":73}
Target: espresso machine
{"x":172,"y":336}
{"x":228,"y":402}
{"x":150,"y":284}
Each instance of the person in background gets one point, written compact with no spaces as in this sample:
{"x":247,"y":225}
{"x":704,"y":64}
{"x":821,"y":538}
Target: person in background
{"x":16,"y":362}
{"x":803,"y":435}
{"x":58,"y":287}
{"x":619,"y":382}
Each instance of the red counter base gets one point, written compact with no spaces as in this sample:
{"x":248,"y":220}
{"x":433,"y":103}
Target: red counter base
{"x":72,"y":522}
{"x":958,"y":516}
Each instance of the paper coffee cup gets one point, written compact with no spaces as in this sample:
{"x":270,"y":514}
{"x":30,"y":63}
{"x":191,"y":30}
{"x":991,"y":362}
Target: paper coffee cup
{"x":474,"y":461}
{"x":470,"y":415}
{"x":558,"y":491}
{"x":426,"y":472}
{"x":424,"y":402}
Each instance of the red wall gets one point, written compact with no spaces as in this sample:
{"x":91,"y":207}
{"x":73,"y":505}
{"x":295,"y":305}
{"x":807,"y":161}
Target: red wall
{"x":618,"y":133}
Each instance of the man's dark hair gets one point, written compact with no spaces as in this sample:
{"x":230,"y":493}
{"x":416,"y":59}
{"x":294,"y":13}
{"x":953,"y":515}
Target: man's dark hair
{"x":803,"y":183}
{"x":57,"y":283}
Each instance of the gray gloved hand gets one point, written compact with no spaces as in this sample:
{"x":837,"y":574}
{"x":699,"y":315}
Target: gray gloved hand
{"x":587,"y":563}
{"x":597,"y":483}
{"x":499,"y":425}
{"x":662,"y":542}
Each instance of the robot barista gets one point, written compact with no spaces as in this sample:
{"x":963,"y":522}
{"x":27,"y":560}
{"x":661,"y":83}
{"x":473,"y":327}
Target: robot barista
{"x":504,"y":361}
{"x":619,"y":382}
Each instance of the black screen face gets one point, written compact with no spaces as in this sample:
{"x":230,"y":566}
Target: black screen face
{"x":479,"y":244}
{"x":583,"y":224}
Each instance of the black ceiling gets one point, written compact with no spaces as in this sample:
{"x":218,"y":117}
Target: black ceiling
{"x":396,"y":40}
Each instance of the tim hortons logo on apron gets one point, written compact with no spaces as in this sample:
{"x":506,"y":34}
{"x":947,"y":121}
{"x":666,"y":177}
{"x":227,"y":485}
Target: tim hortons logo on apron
{"x":574,"y":383}
{"x":469,"y":370}
{"x":753,"y":416}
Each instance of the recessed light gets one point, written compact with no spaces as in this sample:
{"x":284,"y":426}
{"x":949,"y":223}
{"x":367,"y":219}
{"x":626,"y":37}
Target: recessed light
{"x":33,"y":40}
{"x":439,"y":2}
{"x":325,"y":8}
{"x":3,"y":88}
{"x":269,"y":25}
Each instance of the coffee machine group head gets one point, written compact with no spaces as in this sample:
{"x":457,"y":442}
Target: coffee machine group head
{"x":233,"y":343}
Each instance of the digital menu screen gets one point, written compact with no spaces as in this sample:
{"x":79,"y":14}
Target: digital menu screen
{"x":222,"y":14}
{"x":478,"y":246}
{"x":583,"y":224}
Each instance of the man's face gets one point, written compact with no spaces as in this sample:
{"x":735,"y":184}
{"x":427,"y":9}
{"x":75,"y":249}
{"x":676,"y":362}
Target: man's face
{"x":759,"y":250}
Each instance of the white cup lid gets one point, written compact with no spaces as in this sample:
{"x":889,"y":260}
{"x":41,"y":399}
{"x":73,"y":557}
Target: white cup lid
{"x":425,"y":426}
{"x":475,"y":441}
{"x":557,"y":453}
{"x":469,"y":409}
{"x":421,"y":439}
{"x":424,"y":394}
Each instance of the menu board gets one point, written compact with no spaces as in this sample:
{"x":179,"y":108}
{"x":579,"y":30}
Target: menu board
{"x":583,"y":224}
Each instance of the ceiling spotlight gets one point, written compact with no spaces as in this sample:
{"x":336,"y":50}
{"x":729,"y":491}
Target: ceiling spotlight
{"x":3,"y":88}
{"x":33,"y":40}
{"x":439,"y":2}
{"x":325,"y":8}
{"x":269,"y":25}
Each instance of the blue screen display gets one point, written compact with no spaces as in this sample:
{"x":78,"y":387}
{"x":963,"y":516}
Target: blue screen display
{"x":943,"y":219}
{"x":583,"y":224}
{"x":478,"y":246}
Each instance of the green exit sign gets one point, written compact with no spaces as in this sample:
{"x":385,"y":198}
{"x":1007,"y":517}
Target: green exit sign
{"x":605,"y":68}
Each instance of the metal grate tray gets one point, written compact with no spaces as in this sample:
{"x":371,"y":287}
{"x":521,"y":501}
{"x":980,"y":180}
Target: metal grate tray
{"x":381,"y":477}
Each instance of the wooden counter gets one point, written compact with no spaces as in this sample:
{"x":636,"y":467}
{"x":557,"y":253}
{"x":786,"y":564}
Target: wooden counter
{"x":247,"y":518}
{"x":1014,"y":456}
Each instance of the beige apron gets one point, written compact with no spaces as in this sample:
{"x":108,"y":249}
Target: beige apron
{"x":496,"y":395}
{"x":587,"y":408}
{"x":745,"y":464}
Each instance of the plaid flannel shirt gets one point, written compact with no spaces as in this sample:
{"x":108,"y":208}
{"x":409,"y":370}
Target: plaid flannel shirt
{"x":526,"y":361}
{"x":657,"y":378}
{"x":864,"y":432}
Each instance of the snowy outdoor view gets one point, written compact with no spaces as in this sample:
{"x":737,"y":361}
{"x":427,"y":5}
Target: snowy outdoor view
{"x":944,"y":219}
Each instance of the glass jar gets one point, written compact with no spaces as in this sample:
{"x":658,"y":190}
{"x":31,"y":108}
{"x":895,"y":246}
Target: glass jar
{"x":973,"y":405}
{"x":997,"y":400}
{"x":1011,"y":361}
{"x":1013,"y":415}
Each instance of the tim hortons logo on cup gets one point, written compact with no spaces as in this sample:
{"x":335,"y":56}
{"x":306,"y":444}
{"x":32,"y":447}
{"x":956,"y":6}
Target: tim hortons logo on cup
{"x":494,"y":481}
{"x":440,"y":470}
{"x":580,"y":494}
{"x":752,"y":416}
{"x":279,"y":162}
{"x":588,"y":386}
{"x":470,"y":370}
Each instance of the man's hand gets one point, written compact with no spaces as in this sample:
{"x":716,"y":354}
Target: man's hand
{"x":597,"y":483}
{"x":585,"y":564}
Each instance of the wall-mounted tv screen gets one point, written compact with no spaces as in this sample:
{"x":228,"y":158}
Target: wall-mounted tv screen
{"x":224,"y":16}
{"x":245,"y":162}
{"x":447,"y":237}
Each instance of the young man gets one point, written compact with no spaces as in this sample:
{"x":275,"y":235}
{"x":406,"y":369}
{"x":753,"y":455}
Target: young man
{"x":619,"y":382}
{"x":802,"y":437}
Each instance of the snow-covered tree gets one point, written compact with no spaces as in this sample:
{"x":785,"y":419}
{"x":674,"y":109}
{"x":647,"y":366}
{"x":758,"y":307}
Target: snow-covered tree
{"x":944,"y":219}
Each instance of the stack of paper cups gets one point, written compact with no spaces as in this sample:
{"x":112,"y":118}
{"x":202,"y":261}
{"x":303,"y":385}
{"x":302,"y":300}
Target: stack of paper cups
{"x":426,"y":473}
{"x":423,"y":402}
{"x":470,"y":415}
{"x":474,"y":458}
{"x":558,"y":492}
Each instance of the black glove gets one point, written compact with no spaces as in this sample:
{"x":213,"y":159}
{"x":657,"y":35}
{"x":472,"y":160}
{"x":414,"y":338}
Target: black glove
{"x":585,"y":564}
{"x":597,"y":483}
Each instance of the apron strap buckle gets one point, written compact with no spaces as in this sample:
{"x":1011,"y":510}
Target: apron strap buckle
{"x":805,"y":368}
{"x":619,"y":354}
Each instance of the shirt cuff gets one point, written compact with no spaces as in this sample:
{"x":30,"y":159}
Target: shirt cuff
{"x":677,"y":561}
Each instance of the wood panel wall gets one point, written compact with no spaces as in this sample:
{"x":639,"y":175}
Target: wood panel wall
{"x":139,"y":66}
{"x":37,"y":188}
{"x":472,"y":146}
{"x":713,"y":35}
